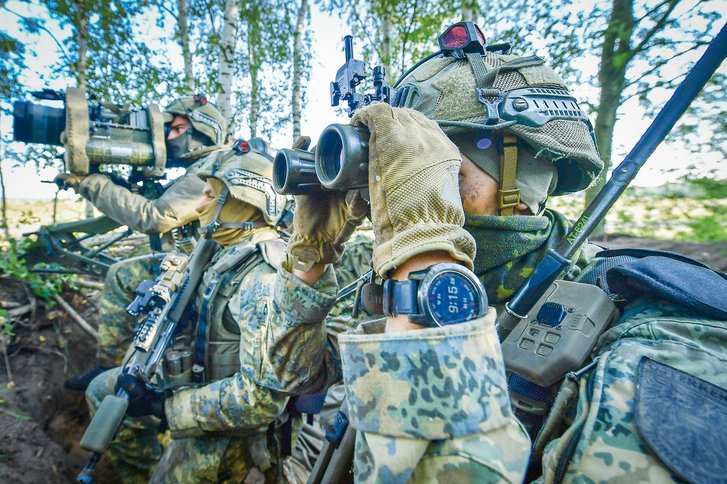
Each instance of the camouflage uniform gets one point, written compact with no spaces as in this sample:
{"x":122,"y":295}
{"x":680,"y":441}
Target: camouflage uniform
{"x":221,"y":431}
{"x":233,"y":406}
{"x":174,"y":208}
{"x":379,"y":366}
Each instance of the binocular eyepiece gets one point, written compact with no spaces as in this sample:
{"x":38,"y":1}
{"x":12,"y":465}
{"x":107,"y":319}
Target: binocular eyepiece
{"x":340,"y":163}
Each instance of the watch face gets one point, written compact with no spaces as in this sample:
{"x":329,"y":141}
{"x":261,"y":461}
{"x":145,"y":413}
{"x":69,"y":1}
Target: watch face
{"x":452,"y":298}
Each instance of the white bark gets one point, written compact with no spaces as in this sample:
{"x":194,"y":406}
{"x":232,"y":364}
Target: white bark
{"x":298,"y":67}
{"x":183,"y":31}
{"x":227,"y":57}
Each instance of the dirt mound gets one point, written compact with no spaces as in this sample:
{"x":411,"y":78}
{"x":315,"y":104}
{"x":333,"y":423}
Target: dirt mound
{"x":42,"y":422}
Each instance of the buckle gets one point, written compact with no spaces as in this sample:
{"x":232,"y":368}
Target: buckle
{"x":509,"y":198}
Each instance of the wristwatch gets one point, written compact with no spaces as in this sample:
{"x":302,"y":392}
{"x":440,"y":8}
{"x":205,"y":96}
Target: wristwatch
{"x":442,"y":294}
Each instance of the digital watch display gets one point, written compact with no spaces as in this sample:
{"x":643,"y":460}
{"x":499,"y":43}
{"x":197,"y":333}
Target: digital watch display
{"x":440,"y":295}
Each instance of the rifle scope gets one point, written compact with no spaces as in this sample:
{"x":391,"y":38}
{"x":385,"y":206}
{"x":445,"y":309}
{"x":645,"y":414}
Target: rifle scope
{"x":340,"y":163}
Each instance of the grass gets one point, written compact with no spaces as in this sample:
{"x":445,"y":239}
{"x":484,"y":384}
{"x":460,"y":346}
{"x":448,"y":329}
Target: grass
{"x":668,"y":218}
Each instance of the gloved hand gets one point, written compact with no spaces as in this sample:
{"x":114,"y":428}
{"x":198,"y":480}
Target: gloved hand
{"x":143,"y":401}
{"x":414,"y":188}
{"x":322,"y":223}
{"x":68,"y":180}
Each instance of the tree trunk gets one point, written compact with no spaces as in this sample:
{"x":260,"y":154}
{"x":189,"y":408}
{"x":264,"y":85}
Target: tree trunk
{"x":612,"y":81}
{"x":252,"y":41}
{"x":386,"y":28}
{"x":298,"y":67}
{"x":183,"y":30}
{"x":82,"y":39}
{"x":227,"y":58}
{"x":469,"y":11}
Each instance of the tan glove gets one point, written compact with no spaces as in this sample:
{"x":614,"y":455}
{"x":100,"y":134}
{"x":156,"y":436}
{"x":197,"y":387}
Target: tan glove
{"x":414,"y":188}
{"x":68,"y":180}
{"x":322,"y":223}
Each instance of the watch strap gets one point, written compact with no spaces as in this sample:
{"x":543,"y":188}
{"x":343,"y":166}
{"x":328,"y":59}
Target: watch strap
{"x":400,"y":297}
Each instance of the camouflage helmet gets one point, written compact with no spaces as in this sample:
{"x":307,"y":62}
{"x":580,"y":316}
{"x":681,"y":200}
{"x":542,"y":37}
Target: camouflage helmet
{"x":247,"y":175}
{"x":204,"y":117}
{"x":493,"y":91}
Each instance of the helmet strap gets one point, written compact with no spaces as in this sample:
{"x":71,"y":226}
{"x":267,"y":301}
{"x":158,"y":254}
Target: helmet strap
{"x":509,"y":193}
{"x":216,"y":224}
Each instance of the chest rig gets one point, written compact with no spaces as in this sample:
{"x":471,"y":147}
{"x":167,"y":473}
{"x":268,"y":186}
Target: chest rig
{"x":215,"y":338}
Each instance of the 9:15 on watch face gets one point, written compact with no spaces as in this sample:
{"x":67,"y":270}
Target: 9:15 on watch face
{"x":452,"y":299}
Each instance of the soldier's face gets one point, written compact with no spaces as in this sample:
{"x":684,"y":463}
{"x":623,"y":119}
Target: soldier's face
{"x":208,"y":196}
{"x":477,"y":189}
{"x":178,"y":126}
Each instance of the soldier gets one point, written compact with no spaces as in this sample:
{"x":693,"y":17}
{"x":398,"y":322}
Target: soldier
{"x":432,"y":402}
{"x":225,"y":428}
{"x":195,"y":128}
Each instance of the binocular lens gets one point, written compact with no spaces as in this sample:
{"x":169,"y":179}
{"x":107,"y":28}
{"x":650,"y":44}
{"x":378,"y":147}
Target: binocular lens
{"x":280,"y":172}
{"x":342,"y":157}
{"x":294,"y":173}
{"x":330,"y":154}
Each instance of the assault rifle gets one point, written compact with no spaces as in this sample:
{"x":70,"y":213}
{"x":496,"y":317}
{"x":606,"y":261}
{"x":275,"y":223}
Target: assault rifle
{"x":335,"y":459}
{"x":164,"y":303}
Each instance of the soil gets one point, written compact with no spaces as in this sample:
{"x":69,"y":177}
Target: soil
{"x":41,"y":422}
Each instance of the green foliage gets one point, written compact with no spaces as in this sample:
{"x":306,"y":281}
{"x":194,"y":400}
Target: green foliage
{"x":6,"y":327}
{"x":710,"y":228}
{"x":12,"y":266}
{"x":713,"y":188}
{"x":11,"y":65}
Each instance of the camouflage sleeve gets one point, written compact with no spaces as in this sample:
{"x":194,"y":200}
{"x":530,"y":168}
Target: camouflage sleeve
{"x":237,"y":402}
{"x":432,"y":405}
{"x":296,"y":360}
{"x":174,"y":208}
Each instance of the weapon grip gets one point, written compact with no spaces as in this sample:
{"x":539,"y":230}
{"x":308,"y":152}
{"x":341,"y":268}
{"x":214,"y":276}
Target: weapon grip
{"x":104,"y":424}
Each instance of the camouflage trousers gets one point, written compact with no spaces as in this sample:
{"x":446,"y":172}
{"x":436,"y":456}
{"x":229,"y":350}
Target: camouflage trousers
{"x":116,"y":326}
{"x":137,"y":455}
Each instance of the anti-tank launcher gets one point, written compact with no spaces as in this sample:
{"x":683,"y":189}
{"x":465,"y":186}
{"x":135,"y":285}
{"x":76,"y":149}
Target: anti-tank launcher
{"x":94,"y":133}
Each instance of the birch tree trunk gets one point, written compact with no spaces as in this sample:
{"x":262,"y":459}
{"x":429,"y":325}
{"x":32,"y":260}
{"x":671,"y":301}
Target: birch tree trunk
{"x":252,"y":41}
{"x":386,"y":28}
{"x":470,"y":11}
{"x":82,"y":42}
{"x":227,"y":56}
{"x":183,"y":30}
{"x":297,"y":89}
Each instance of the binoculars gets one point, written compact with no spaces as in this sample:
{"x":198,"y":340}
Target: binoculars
{"x":340,"y":162}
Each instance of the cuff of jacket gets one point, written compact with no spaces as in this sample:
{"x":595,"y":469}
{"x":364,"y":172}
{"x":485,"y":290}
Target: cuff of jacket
{"x":433,"y":383}
{"x":301,"y":303}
